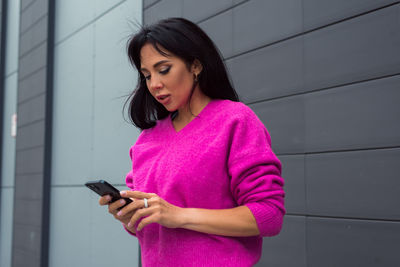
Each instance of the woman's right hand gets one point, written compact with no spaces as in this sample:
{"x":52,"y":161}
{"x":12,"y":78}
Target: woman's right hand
{"x":113,"y":209}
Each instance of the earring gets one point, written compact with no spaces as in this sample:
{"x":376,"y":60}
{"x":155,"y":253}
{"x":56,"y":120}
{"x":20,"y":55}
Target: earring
{"x":195,"y":78}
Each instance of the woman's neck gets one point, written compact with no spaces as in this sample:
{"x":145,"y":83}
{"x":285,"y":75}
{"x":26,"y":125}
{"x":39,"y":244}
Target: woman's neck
{"x":198,"y":102}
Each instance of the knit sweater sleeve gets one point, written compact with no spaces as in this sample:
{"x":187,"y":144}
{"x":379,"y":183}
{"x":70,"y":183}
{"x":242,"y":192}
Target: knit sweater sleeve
{"x":255,"y":172}
{"x":129,"y":183}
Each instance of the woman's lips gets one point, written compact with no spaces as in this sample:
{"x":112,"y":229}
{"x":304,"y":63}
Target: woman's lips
{"x":163,"y":99}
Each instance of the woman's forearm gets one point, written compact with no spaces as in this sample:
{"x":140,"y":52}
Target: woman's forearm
{"x":237,"y":221}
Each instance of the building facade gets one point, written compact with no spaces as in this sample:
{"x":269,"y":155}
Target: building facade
{"x":323,"y":76}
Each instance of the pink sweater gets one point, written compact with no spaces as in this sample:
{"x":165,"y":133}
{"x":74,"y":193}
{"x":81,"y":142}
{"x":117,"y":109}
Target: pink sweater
{"x":221,"y":159}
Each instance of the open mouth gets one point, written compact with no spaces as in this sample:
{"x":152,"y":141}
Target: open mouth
{"x":163,"y":98}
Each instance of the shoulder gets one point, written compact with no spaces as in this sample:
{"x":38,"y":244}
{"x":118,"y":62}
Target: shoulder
{"x":232,"y":109}
{"x":241,"y":122}
{"x":236,"y":112}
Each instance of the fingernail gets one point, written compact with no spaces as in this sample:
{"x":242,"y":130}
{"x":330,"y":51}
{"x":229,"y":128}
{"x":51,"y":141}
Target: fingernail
{"x":123,"y":193}
{"x":129,"y":225}
{"x":122,"y":201}
{"x":119,"y":213}
{"x":108,"y":197}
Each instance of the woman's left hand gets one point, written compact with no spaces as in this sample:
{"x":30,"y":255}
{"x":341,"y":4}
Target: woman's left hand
{"x":158,"y":210}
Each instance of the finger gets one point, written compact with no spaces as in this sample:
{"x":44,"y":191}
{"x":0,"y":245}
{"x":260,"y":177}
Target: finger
{"x":147,"y":221}
{"x":104,"y":200}
{"x":113,"y":207}
{"x":139,"y":214}
{"x":136,"y":194}
{"x":136,"y":204}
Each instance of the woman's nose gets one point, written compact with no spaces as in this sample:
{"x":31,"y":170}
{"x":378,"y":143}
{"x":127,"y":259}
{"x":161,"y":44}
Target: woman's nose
{"x":155,"y":84}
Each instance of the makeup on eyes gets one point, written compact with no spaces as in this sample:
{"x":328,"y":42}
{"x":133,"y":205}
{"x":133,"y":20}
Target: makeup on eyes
{"x":163,"y":72}
{"x":166,"y":70}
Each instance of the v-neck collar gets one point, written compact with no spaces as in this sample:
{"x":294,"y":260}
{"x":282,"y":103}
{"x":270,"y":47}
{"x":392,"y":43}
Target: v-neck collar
{"x":189,"y":124}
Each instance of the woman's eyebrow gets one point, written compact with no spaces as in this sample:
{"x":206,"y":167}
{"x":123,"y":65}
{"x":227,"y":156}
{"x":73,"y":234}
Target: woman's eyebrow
{"x":156,"y":64}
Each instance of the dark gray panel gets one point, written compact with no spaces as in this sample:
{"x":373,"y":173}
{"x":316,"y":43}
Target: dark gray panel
{"x":21,"y":257}
{"x":147,"y":3}
{"x":34,"y":36}
{"x":25,"y":3}
{"x":362,"y":184}
{"x":288,"y":248}
{"x":28,"y":212}
{"x":29,"y":161}
{"x":269,"y":72}
{"x":31,"y":135}
{"x":293,"y":174}
{"x":219,"y":28}
{"x":363,"y":115}
{"x":31,"y":110}
{"x":195,"y":10}
{"x":29,"y":186}
{"x":162,"y":10}
{"x":284,"y":119}
{"x":33,"y":61}
{"x":349,"y":243}
{"x":32,"y":14}
{"x":235,"y":2}
{"x":259,"y":22}
{"x":27,"y":238}
{"x":321,"y":12}
{"x":358,"y":49}
{"x":32,"y":85}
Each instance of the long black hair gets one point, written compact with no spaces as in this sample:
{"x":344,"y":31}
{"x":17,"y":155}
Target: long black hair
{"x":187,"y":41}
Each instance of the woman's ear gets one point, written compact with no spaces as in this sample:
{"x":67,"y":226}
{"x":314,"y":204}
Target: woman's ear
{"x":197,"y":67}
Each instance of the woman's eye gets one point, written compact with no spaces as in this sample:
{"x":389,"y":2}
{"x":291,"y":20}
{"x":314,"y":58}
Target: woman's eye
{"x":165,"y":71}
{"x":147,"y":77}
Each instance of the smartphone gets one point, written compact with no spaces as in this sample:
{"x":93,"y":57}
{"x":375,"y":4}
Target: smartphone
{"x":103,"y":188}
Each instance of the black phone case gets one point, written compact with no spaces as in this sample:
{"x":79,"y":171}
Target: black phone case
{"x":103,"y":188}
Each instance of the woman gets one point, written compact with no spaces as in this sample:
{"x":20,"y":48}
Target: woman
{"x":205,"y":183}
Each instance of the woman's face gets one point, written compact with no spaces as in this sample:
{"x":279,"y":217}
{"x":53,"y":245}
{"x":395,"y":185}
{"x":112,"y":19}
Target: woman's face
{"x":168,"y":78}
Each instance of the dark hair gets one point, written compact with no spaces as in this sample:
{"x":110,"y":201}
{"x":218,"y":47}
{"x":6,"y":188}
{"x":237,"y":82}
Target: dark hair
{"x":187,"y":41}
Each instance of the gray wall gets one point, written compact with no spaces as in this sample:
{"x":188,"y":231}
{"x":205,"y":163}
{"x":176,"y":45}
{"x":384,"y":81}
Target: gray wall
{"x":324,"y":77}
{"x":66,"y":136}
{"x":8,"y":143}
{"x":30,"y":223}
{"x":91,"y":140}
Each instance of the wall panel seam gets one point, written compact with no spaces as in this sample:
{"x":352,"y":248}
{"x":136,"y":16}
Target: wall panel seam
{"x":29,"y":123}
{"x":33,"y":48}
{"x":7,"y":186}
{"x":34,"y":23}
{"x":21,"y":56}
{"x":323,"y":89}
{"x":352,"y":17}
{"x":301,"y":34}
{"x":94,"y":20}
{"x":222,"y":11}
{"x":28,"y":173}
{"x":31,"y":74}
{"x":27,"y":6}
{"x":29,"y":148}
{"x":339,"y":151}
{"x":21,"y":150}
{"x":352,"y":218}
{"x":31,"y":98}
{"x":152,"y":4}
{"x":11,"y":74}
